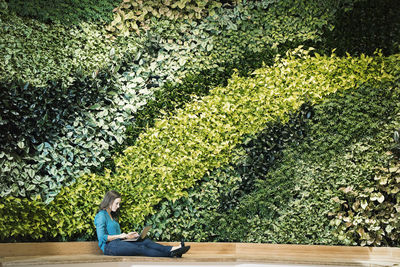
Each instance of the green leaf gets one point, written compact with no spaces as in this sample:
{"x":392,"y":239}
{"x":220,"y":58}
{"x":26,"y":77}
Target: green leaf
{"x":21,"y":144}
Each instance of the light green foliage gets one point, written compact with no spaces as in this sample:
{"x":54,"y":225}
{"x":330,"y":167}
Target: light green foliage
{"x":36,"y":52}
{"x":131,"y":15}
{"x":20,"y":215}
{"x":71,"y":215}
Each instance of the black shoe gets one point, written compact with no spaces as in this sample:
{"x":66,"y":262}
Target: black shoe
{"x":179,"y":252}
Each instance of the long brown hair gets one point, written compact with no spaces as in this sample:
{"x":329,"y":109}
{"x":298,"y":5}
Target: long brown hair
{"x":109,"y":199}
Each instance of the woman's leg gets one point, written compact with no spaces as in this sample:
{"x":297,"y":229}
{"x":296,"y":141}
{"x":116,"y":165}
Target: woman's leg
{"x":122,"y":248}
{"x":153,"y":245}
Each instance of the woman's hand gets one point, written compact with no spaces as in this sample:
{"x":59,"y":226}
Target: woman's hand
{"x":123,"y":236}
{"x":132,"y":235}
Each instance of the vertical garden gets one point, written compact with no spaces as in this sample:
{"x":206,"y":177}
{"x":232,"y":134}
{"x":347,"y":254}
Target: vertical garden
{"x":209,"y":117}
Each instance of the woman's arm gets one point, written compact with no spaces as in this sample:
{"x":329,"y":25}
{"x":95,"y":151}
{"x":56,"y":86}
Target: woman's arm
{"x":122,"y":236}
{"x":113,"y":237}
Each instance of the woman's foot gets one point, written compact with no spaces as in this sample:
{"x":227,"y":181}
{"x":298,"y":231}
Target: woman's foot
{"x":176,"y":247}
{"x":180,"y":246}
{"x":179,"y":252}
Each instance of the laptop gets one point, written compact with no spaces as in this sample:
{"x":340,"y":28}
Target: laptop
{"x":141,"y":236}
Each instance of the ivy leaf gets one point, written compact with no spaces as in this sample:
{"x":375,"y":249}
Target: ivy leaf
{"x":364,"y":204}
{"x":21,"y":144}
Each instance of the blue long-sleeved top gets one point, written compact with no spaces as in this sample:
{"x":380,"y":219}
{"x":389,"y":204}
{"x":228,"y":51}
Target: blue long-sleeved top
{"x":105,"y":226}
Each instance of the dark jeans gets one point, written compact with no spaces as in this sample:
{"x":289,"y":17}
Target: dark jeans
{"x":139,"y":248}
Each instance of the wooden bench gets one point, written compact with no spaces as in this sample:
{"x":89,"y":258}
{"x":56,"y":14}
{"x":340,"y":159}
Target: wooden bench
{"x":88,"y":254}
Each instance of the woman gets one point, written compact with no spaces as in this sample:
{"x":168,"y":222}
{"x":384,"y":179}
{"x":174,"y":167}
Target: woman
{"x":110,"y":236}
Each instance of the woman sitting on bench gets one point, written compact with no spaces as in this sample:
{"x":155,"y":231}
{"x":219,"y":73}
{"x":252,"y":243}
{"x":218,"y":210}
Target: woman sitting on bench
{"x":111,"y":239}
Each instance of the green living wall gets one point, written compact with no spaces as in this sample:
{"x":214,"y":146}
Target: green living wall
{"x":88,"y":93}
{"x":214,"y":125}
{"x":157,"y":114}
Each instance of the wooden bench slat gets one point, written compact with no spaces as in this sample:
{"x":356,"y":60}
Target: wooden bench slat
{"x":49,"y":248}
{"x":53,"y":253}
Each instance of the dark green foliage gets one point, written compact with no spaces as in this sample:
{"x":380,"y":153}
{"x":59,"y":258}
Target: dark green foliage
{"x":34,"y":159}
{"x":396,"y":146}
{"x":222,"y":191}
{"x":65,"y":11}
{"x":35,"y":115}
{"x":263,"y":151}
{"x":368,"y":26}
{"x":344,"y":145}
